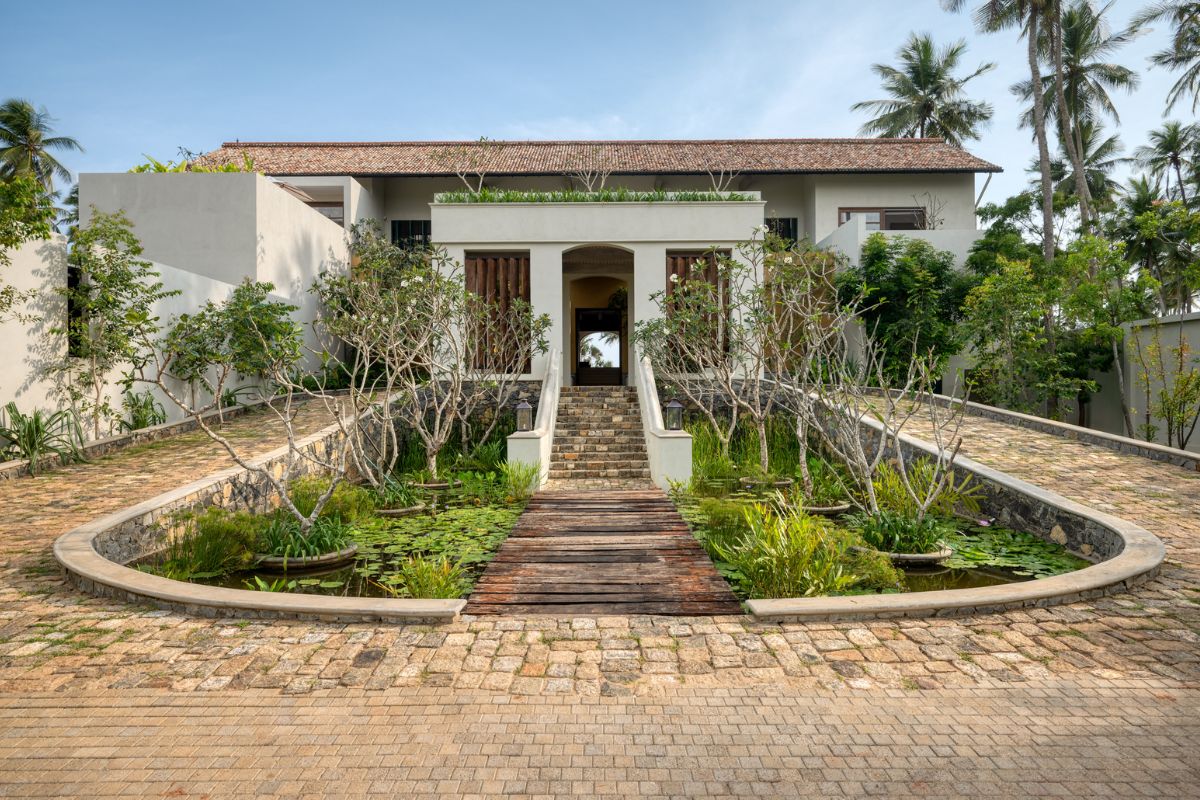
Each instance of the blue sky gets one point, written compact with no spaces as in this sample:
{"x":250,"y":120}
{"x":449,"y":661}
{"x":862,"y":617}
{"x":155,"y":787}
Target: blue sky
{"x":130,"y":78}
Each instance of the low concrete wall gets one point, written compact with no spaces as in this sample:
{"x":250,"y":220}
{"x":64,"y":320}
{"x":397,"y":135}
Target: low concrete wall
{"x":536,"y":446}
{"x":93,"y":555}
{"x":668,"y":452}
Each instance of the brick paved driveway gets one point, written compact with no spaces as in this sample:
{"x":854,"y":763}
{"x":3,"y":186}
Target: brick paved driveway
{"x":1030,"y":695}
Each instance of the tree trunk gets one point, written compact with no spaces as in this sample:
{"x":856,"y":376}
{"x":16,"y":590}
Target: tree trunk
{"x":806,"y":482}
{"x":1125,"y":415}
{"x":431,"y":464}
{"x":1179,"y":180}
{"x":1039,"y":128}
{"x":763,"y":454}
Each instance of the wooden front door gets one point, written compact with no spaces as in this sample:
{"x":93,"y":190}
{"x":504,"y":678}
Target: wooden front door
{"x":599,"y":347}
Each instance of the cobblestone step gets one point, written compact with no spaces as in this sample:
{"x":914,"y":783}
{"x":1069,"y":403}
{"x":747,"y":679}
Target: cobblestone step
{"x":599,"y":434}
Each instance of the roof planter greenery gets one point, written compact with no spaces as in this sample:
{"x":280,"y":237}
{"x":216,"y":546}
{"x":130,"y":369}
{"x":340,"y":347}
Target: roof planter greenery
{"x":488,"y":195}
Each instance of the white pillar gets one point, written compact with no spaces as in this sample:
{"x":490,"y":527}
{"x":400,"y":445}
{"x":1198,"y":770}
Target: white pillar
{"x":649,"y":276}
{"x":546,"y":296}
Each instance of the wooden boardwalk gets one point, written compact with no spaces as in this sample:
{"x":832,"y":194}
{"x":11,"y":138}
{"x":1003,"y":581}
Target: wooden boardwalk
{"x":601,"y":551}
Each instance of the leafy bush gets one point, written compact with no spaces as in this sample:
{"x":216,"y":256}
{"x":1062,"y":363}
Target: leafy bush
{"x":37,"y":435}
{"x":828,"y":482}
{"x":395,"y":493}
{"x":521,"y":480}
{"x":786,"y":553}
{"x":722,"y":523}
{"x":143,"y":410}
{"x":283,"y":538}
{"x":213,"y":543}
{"x":957,"y":496}
{"x":347,"y":503}
{"x":898,"y":533}
{"x":427,"y":578}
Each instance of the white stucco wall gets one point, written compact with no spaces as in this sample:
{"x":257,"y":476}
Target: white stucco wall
{"x":29,"y":347}
{"x":832,"y":192}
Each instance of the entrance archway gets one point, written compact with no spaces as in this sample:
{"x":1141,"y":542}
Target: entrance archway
{"x":597,"y":282}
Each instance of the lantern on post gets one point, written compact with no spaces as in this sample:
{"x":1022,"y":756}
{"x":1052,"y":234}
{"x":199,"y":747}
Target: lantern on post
{"x":524,"y":416}
{"x":673,"y":415}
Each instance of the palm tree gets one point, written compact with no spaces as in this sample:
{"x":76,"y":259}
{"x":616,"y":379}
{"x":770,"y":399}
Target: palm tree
{"x":926,"y":97}
{"x":25,"y":142}
{"x":1172,"y":149}
{"x":996,"y":15}
{"x":1100,"y":157}
{"x":1184,"y":53}
{"x":1087,"y":78}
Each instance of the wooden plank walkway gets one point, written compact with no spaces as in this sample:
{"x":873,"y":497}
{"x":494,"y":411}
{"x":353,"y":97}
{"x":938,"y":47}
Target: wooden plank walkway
{"x":601,"y":551}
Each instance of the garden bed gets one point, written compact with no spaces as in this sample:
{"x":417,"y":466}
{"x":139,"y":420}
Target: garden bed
{"x":1007,"y":543}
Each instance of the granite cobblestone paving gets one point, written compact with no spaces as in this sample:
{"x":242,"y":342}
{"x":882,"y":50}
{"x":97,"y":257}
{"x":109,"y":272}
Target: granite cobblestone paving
{"x":1107,"y":689}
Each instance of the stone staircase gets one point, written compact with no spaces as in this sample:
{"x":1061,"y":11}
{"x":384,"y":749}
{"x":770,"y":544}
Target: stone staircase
{"x":599,"y":436}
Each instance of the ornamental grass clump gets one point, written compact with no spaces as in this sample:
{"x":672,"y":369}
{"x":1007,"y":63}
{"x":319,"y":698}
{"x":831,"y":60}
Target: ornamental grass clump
{"x":786,"y":553}
{"x":427,"y":578}
{"x":283,"y":537}
{"x":35,"y":436}
{"x":213,"y":543}
{"x":520,"y":480}
{"x":347,"y":503}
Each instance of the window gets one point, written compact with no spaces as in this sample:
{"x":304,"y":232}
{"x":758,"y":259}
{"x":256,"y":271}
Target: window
{"x":783,"y":227}
{"x":333,"y":209}
{"x":410,"y":232}
{"x":885,"y":219}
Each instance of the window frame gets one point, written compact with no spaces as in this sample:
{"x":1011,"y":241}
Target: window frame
{"x":420,"y":239}
{"x":883,"y":211}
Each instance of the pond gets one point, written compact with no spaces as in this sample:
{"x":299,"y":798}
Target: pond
{"x":464,"y":526}
{"x":984,"y":554}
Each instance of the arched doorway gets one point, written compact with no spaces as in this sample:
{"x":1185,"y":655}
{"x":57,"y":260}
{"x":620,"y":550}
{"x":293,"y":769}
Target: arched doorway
{"x":597,"y":282}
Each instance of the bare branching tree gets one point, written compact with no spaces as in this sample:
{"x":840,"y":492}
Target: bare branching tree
{"x":470,"y":161}
{"x":595,"y":166}
{"x":251,"y":334}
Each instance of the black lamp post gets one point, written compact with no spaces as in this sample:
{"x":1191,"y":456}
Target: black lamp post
{"x":524,"y":416}
{"x":673,"y":415}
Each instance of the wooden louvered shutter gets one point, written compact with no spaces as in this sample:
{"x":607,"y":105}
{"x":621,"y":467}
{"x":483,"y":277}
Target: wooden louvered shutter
{"x":498,"y":279}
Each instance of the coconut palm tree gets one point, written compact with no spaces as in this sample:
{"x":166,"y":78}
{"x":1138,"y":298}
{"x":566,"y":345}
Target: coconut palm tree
{"x":1088,"y":79}
{"x":1101,"y":155}
{"x":1184,"y":51}
{"x":926,"y":97}
{"x":1026,"y":16}
{"x":25,"y":143}
{"x":1170,"y":153}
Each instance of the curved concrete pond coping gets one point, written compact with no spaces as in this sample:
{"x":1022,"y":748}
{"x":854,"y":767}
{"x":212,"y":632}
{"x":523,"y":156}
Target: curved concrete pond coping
{"x":1134,"y":554}
{"x":87,"y":568}
{"x":1137,"y":555}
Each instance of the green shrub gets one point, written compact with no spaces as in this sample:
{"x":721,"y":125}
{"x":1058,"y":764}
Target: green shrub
{"x":722,"y":523}
{"x":395,"y":493}
{"x":957,"y":496}
{"x":874,"y":570}
{"x":829,"y":482}
{"x":282,"y":537}
{"x":898,"y":533}
{"x":143,"y":410}
{"x":37,"y":435}
{"x":213,"y":543}
{"x":521,"y":480}
{"x":786,"y":553}
{"x":347,"y":503}
{"x":427,"y":578}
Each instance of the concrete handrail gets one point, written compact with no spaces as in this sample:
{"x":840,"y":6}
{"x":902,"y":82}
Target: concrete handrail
{"x":668,"y":452}
{"x":535,"y":446}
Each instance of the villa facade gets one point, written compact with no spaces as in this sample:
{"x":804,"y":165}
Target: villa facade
{"x":594,"y":266}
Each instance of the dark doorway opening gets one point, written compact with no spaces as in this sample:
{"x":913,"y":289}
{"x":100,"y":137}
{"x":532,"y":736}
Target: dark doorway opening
{"x":599,"y":342}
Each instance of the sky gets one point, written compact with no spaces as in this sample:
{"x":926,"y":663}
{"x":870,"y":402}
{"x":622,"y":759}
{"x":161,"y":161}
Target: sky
{"x":128,"y":79}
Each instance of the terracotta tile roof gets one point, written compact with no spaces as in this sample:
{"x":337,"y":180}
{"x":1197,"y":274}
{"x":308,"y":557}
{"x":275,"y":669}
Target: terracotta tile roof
{"x":629,"y":157}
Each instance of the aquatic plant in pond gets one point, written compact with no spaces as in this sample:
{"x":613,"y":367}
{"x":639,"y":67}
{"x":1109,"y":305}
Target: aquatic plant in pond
{"x":1023,"y":554}
{"x":283,"y":537}
{"x":890,"y":532}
